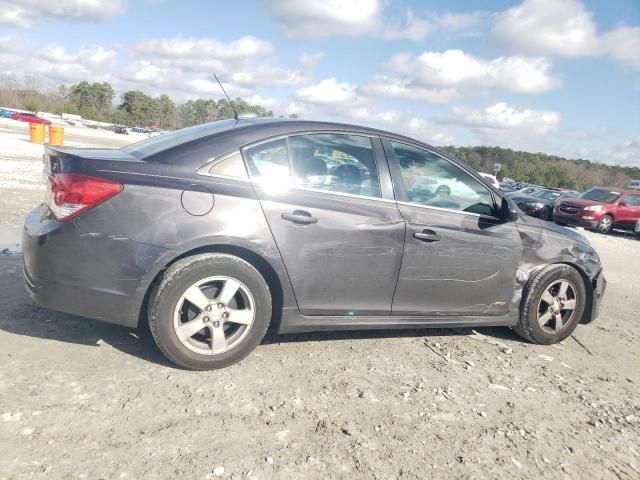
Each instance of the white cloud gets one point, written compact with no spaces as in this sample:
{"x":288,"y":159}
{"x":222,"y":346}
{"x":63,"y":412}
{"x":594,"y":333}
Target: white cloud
{"x":501,"y":117}
{"x":627,"y":152}
{"x":460,"y":21}
{"x":438,"y":77}
{"x":328,"y":91}
{"x":28,"y":13}
{"x":623,"y":45}
{"x":408,"y":89}
{"x":429,"y":132}
{"x":564,"y":28}
{"x":326,"y":18}
{"x":203,"y":48}
{"x":242,"y":64}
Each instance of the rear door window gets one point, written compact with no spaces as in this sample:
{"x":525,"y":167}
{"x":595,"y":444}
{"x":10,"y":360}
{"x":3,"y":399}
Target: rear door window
{"x":335,"y":162}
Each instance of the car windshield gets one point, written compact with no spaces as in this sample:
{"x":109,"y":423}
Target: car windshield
{"x":601,"y":195}
{"x":546,"y":194}
{"x":153,"y":145}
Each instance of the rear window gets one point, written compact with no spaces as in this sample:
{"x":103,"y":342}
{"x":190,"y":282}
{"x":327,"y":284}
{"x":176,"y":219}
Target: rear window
{"x":164,"y":141}
{"x":601,"y":195}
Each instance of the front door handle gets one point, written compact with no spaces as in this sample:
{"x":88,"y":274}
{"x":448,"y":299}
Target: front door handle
{"x":427,"y":236}
{"x":299,"y":217}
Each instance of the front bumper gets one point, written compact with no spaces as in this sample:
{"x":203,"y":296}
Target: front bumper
{"x":599,"y":286}
{"x":575,"y":220}
{"x":87,"y":274}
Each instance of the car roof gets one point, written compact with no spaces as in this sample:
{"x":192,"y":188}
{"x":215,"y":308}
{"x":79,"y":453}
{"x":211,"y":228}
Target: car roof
{"x":246,"y":131}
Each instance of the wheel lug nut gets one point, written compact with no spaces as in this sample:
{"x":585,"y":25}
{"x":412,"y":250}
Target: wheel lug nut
{"x":225,"y":315}
{"x":216,"y":324}
{"x":220,"y":306}
{"x":208,"y":309}
{"x":205,"y":319}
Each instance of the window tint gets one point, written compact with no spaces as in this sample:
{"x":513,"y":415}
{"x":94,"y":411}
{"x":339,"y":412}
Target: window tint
{"x":232,"y":166}
{"x":269,"y":161}
{"x":434,"y":181}
{"x":632,"y":200}
{"x":335,"y":162}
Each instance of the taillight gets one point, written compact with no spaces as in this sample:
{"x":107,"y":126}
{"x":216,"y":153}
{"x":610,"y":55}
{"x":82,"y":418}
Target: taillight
{"x":70,"y":194}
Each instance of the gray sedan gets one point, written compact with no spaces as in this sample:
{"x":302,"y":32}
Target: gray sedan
{"x":215,"y":233}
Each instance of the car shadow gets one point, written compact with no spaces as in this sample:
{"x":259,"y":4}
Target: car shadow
{"x":19,"y":315}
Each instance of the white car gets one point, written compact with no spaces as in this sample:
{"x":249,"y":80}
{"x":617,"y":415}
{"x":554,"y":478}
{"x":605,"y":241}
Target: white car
{"x":491,"y":179}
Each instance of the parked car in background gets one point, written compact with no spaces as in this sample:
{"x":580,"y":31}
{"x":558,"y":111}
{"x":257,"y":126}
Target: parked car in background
{"x":507,"y":187}
{"x":5,"y":113}
{"x":528,"y":190}
{"x":29,"y":117}
{"x":601,"y":209}
{"x":538,"y":204}
{"x":216,"y":232}
{"x":121,"y":129}
{"x":491,"y":179}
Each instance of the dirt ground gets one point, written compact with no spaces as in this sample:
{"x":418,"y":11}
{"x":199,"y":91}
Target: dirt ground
{"x":86,"y":400}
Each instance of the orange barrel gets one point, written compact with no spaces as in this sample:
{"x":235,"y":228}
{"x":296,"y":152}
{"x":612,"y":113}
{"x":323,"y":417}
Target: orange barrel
{"x":36,"y":133}
{"x":56,"y":135}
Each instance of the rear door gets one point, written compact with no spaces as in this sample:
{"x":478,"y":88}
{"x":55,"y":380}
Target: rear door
{"x":329,"y":203}
{"x":459,"y":259}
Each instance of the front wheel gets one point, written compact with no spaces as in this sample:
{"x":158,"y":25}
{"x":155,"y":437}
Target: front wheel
{"x":605,"y":224}
{"x":553,"y":305}
{"x":636,"y":229}
{"x":209,"y":311}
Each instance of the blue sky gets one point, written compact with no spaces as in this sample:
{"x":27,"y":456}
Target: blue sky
{"x":557,"y":76}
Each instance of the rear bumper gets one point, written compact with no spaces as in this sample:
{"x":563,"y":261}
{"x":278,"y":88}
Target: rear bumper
{"x":90,"y":275}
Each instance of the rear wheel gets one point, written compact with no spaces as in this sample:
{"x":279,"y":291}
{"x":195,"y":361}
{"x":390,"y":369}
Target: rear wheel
{"x":553,"y":305}
{"x":209,"y":311}
{"x":636,"y":229}
{"x":605,"y":224}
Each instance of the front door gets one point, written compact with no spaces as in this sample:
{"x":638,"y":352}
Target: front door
{"x":628,"y":211}
{"x":459,"y":258}
{"x":338,"y":230}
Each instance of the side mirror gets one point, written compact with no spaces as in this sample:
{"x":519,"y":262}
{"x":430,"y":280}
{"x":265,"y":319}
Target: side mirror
{"x":622,"y":203}
{"x":508,"y":210}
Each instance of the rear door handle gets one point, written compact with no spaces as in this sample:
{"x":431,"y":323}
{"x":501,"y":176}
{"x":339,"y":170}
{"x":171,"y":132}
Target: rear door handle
{"x":427,"y":236}
{"x":299,"y":217}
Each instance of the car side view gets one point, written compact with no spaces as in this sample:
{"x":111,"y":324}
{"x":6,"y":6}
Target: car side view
{"x":601,"y":209}
{"x":215,"y":233}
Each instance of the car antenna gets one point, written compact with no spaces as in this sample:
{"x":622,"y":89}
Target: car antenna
{"x":235,"y":112}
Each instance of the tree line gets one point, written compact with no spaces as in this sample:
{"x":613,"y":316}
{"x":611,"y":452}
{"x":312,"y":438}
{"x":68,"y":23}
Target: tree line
{"x":95,"y":101}
{"x":543,"y":169}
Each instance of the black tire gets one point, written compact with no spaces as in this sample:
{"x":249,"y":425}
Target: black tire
{"x":185,"y":273}
{"x":528,"y":326}
{"x":605,"y":225}
{"x":545,"y":214}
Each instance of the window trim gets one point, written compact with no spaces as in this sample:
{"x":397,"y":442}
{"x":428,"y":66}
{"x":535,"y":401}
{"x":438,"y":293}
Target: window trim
{"x":204,"y":169}
{"x":401,"y":192}
{"x":379,"y":157}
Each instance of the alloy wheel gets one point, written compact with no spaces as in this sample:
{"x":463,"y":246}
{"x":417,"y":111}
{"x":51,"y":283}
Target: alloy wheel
{"x":557,"y":306}
{"x":214,"y":315}
{"x":605,"y":224}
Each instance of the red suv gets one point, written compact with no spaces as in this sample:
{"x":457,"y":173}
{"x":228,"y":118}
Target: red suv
{"x":600,"y":208}
{"x":29,"y":117}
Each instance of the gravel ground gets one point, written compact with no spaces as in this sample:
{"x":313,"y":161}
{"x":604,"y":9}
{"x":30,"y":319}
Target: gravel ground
{"x":81,"y":399}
